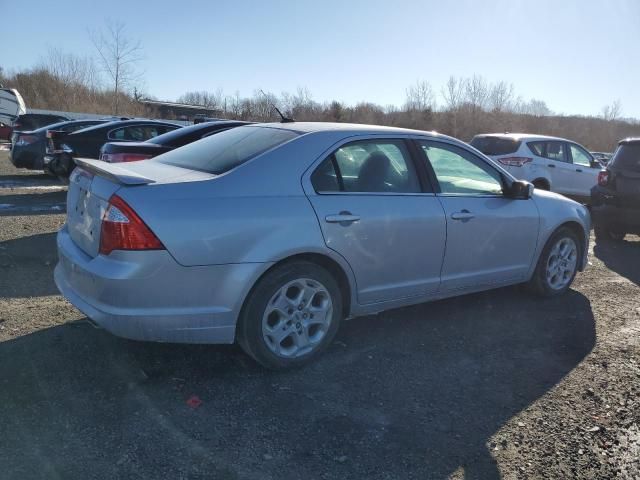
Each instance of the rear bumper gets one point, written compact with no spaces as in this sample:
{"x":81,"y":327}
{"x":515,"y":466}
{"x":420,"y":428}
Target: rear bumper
{"x":148,"y":296}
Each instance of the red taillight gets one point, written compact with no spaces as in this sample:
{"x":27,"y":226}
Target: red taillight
{"x":123,"y":229}
{"x":514,"y":161}
{"x":124,"y":157}
{"x":603,"y":178}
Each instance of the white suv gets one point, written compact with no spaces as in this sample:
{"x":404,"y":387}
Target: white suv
{"x":550,"y":163}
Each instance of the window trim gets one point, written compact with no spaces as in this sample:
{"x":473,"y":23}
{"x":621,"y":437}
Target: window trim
{"x":504,"y":179}
{"x":425,"y":189}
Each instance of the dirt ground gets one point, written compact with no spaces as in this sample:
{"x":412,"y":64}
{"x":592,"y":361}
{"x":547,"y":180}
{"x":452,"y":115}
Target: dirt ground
{"x":492,"y":385}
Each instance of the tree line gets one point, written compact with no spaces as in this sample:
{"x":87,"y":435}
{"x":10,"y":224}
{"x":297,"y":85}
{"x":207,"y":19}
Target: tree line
{"x":111,"y":83}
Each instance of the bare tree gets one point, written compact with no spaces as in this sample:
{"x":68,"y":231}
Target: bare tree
{"x":501,"y":97}
{"x":452,"y":93}
{"x":119,"y":56}
{"x":203,"y":98}
{"x":476,"y":93}
{"x":613,"y":111}
{"x":420,"y":97}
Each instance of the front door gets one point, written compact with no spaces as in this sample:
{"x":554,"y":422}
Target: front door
{"x":375,"y":211}
{"x":491,"y":239}
{"x":586,"y":175}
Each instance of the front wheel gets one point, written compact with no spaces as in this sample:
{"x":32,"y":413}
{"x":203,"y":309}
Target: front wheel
{"x":291,"y":315}
{"x":557,"y":265}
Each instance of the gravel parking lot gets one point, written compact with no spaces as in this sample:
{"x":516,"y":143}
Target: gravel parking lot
{"x":492,"y":385}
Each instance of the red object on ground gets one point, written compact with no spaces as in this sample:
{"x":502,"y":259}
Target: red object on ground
{"x":194,"y":401}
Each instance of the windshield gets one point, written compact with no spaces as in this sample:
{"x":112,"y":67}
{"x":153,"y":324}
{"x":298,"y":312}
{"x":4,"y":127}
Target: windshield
{"x":220,"y":153}
{"x":495,"y":145}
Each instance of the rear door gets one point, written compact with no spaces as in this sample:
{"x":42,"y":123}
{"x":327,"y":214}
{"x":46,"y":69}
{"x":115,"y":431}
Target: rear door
{"x":491,"y":239}
{"x":586,"y":176}
{"x":376,"y":210}
{"x":563,"y":177}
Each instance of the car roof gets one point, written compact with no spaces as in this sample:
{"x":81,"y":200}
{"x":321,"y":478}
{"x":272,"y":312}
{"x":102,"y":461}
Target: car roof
{"x":124,"y":123}
{"x":53,"y":126}
{"x":523,"y":136}
{"x":311,"y":127}
{"x":630,"y":141}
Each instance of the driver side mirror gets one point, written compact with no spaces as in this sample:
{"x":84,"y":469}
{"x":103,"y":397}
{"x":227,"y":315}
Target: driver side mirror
{"x":521,"y":190}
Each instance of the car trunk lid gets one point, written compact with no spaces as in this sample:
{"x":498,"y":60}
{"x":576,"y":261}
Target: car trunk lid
{"x":92,"y":184}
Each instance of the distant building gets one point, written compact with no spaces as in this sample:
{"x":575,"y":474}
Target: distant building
{"x":179,"y":111}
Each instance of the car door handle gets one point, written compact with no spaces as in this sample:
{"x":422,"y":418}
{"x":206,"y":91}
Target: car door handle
{"x":551,"y":165}
{"x":343,"y":217}
{"x":579,"y":170}
{"x":463,"y":215}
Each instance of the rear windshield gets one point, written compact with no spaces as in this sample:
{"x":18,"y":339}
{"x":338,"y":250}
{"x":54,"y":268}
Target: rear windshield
{"x":627,"y":157}
{"x":220,"y":153}
{"x":495,"y":145}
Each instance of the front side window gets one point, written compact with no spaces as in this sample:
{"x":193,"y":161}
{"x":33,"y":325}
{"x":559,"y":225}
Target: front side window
{"x":368,"y":166}
{"x":461,"y":173}
{"x":579,"y":156}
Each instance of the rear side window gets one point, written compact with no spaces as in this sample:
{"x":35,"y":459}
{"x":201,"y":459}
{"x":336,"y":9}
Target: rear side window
{"x":368,"y":166}
{"x":553,"y":150}
{"x":138,"y":133}
{"x":496,"y":145}
{"x":220,"y":153}
{"x":627,"y":157}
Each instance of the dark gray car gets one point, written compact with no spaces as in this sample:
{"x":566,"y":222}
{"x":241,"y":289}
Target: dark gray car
{"x":28,"y":148}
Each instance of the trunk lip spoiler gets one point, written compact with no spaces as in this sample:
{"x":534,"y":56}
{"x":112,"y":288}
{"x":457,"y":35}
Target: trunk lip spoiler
{"x":112,"y":172}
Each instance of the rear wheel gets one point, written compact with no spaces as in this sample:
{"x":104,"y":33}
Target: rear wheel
{"x":291,"y":315}
{"x":541,"y":184}
{"x":557,"y":265}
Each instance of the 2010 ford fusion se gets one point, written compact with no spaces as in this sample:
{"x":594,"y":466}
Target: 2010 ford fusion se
{"x":271,"y":234}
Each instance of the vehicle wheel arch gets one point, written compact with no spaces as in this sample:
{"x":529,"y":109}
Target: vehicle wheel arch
{"x":542,"y":183}
{"x":579,"y":232}
{"x":338,"y":271}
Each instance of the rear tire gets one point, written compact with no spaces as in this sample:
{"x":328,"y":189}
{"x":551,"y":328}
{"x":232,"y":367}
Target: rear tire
{"x":557,"y":265}
{"x":541,"y":185}
{"x":291,"y":315}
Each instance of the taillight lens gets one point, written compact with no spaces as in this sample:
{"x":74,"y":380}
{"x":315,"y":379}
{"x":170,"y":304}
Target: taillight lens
{"x":603,"y":178}
{"x":124,"y":157}
{"x":23,"y":140}
{"x":123,"y":229}
{"x":514,"y":161}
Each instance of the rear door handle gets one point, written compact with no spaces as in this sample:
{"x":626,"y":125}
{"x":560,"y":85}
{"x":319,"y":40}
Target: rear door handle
{"x":579,"y":170}
{"x":344,"y":218}
{"x":551,"y":166}
{"x":463,"y":215}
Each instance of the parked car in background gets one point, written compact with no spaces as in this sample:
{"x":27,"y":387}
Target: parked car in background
{"x":602,"y":157}
{"x":11,"y":105}
{"x":33,"y":121}
{"x":116,"y":152}
{"x":5,"y":132}
{"x":550,"y":163}
{"x":271,"y":234}
{"x":29,"y":147}
{"x":615,"y":201}
{"x":63,"y":147}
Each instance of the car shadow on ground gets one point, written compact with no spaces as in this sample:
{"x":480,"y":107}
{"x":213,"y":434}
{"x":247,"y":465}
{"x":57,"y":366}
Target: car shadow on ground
{"x":26,"y":266}
{"x":53,"y":202}
{"x":410,"y":393}
{"x":622,"y":257}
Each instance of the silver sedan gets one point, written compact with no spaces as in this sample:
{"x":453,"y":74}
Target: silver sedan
{"x":270,"y":235}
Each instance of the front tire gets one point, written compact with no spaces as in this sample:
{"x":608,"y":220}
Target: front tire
{"x":291,"y":315}
{"x":557,"y":265}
